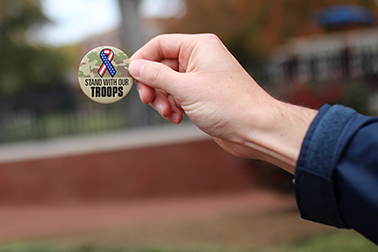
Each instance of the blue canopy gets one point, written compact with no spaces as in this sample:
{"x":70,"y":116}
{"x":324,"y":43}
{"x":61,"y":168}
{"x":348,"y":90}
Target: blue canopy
{"x":345,"y":14}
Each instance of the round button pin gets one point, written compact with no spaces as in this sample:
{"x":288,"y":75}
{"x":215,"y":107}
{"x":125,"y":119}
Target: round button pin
{"x":104,"y":74}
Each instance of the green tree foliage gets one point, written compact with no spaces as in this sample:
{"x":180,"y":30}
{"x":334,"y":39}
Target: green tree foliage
{"x":25,"y":67}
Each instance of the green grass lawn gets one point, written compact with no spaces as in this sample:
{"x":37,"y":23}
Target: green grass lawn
{"x":269,"y":232}
{"x":335,"y":242}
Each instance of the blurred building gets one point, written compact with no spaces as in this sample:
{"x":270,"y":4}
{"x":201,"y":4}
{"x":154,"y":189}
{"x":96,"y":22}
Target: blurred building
{"x":348,"y":54}
{"x":339,"y":65}
{"x":348,"y":47}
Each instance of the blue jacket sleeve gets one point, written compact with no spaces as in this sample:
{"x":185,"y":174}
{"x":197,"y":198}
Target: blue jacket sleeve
{"x":336,"y":180}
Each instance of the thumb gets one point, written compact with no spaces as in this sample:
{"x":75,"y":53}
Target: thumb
{"x":153,"y":74}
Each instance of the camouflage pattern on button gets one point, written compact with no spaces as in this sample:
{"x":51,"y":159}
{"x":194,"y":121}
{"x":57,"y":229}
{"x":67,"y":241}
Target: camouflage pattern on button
{"x":105,"y":89}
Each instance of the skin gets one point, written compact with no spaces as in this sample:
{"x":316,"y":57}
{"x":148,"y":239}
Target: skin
{"x":198,"y":76}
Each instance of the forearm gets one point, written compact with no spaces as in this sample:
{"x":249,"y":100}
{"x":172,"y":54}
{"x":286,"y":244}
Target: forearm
{"x":273,"y":134}
{"x":279,"y":137}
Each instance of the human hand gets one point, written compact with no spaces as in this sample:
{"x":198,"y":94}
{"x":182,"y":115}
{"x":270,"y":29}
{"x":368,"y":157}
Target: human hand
{"x":198,"y":76}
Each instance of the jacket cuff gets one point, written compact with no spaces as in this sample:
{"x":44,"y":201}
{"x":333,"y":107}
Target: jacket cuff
{"x":321,"y":148}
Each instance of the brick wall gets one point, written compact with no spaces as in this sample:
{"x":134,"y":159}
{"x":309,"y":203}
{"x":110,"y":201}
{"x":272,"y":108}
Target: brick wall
{"x":187,"y":168}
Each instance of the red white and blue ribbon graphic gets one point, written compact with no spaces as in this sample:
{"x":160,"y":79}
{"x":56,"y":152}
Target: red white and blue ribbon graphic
{"x":107,"y":56}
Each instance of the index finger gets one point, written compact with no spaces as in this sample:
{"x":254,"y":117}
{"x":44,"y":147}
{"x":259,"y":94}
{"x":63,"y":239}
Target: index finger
{"x":161,"y":47}
{"x":182,"y":49}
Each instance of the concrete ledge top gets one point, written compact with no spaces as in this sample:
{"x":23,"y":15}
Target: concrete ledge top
{"x":126,"y":139}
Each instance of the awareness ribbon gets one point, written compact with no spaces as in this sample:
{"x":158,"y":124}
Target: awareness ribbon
{"x":107,"y":56}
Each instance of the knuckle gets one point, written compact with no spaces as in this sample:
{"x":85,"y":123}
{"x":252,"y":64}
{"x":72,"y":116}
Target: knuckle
{"x":210,"y":37}
{"x":154,"y":73}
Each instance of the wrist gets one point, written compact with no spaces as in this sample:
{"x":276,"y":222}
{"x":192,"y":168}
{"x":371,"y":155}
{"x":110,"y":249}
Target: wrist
{"x":277,"y":133}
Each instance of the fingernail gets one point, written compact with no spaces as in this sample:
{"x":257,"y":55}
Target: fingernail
{"x":159,"y":108}
{"x":175,"y":118}
{"x":136,"y":68}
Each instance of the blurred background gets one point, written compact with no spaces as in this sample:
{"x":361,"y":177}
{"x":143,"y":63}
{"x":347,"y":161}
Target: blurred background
{"x":80,"y":176}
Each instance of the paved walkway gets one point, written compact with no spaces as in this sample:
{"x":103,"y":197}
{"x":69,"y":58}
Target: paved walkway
{"x":23,"y":222}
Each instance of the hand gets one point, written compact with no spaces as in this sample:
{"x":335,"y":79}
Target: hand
{"x":195,"y":75}
{"x":198,"y":76}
